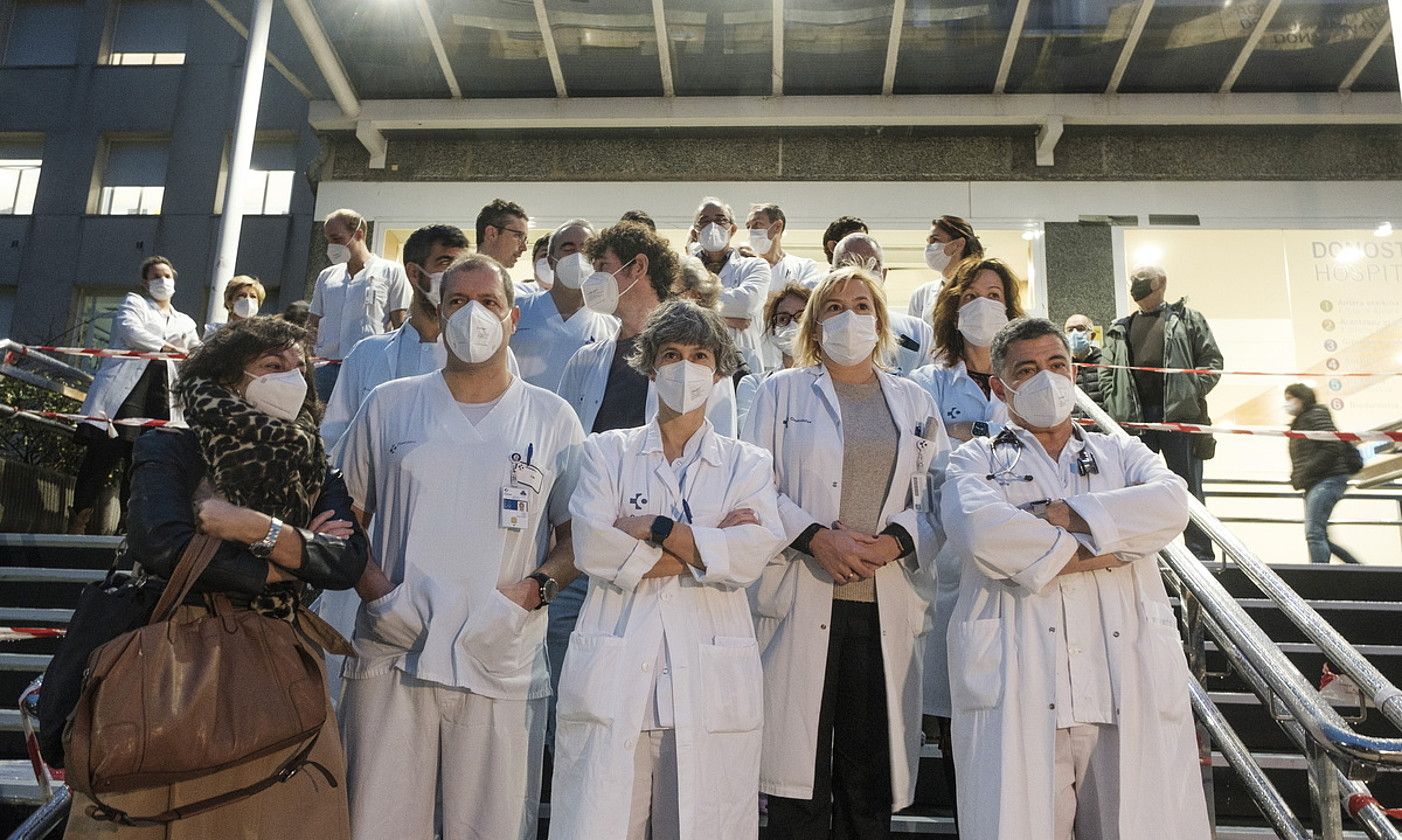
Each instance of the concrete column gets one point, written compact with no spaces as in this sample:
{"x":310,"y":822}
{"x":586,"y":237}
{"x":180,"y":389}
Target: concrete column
{"x":1080,"y":271}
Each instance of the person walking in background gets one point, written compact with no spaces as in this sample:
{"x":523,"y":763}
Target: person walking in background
{"x":1164,"y":335}
{"x":145,"y":320}
{"x":1321,"y":468}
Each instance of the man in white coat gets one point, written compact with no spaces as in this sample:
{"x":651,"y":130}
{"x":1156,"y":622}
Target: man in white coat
{"x":662,"y":691}
{"x":765,"y":225}
{"x":745,"y":281}
{"x":463,"y":475}
{"x":1069,"y":684}
{"x":914,"y":338}
{"x":358,"y":295}
{"x":555,"y":322}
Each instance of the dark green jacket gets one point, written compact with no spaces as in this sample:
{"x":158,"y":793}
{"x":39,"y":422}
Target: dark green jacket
{"x":1188,"y":343}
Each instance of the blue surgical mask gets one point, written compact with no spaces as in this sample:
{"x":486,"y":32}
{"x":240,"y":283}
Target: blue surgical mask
{"x":1080,"y":341}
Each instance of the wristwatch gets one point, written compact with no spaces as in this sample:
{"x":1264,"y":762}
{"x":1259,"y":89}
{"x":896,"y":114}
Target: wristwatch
{"x":263,"y":549}
{"x":548,"y":587}
{"x":980,"y":429}
{"x":661,"y":530}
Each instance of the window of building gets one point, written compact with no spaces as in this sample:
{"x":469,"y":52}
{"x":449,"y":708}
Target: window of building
{"x":43,"y":32}
{"x":92,"y":321}
{"x":149,"y":32}
{"x":133,"y":178}
{"x":268,"y":190}
{"x":19,"y":177}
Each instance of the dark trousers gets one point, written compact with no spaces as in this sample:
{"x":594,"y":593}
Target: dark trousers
{"x":852,"y":776}
{"x":1177,"y":451}
{"x":102,"y":455}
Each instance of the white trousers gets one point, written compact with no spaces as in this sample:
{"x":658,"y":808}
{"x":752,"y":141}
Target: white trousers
{"x":1087,"y":783}
{"x":412,"y":745}
{"x":654,"y":814}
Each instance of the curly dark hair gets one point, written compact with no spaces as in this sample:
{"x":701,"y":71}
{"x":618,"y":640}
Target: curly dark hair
{"x":234,"y":347}
{"x":949,"y":342}
{"x":629,"y":239}
{"x":840,"y":227}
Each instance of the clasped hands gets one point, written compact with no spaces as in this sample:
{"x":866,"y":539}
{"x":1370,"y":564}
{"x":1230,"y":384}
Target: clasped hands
{"x":848,"y":555}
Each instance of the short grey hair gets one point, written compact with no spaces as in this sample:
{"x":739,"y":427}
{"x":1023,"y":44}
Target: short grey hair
{"x":1149,"y":272}
{"x":710,"y":199}
{"x":1022,"y":329}
{"x":481,"y":262}
{"x":572,"y":223}
{"x":840,"y":257}
{"x":683,"y":322}
{"x":698,"y":284}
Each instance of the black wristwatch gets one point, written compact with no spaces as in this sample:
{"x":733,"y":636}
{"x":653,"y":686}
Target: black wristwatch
{"x":980,"y":429}
{"x":548,"y":587}
{"x":661,"y":530}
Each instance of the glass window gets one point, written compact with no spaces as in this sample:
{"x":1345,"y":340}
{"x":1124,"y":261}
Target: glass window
{"x":952,"y":47}
{"x":835,"y":47}
{"x":1189,"y":45}
{"x":1070,"y":46}
{"x":19,"y":177}
{"x":133,"y":177}
{"x":1311,"y":46}
{"x":495,"y":48}
{"x":92,"y":321}
{"x":607,"y":47}
{"x":386,"y":52}
{"x":722,"y":48}
{"x":150,"y":32}
{"x":44,"y":32}
{"x":268,"y":190}
{"x":1381,"y":73}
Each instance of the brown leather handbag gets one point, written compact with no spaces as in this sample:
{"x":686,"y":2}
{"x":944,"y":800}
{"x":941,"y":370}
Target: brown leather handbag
{"x":179,"y":700}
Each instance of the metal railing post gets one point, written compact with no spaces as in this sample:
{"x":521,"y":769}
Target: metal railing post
{"x":1324,"y":793}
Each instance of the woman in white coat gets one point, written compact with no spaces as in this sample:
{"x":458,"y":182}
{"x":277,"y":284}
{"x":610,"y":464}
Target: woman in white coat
{"x":659,"y":708}
{"x":979,"y":299}
{"x":122,"y":388}
{"x":838,"y":616}
{"x":781,"y":316}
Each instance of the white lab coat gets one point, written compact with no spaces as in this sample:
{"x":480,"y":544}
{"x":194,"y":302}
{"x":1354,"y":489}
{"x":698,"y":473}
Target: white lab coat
{"x":352,"y":308}
{"x":138,"y":325}
{"x":745,"y":285}
{"x":587,"y":373}
{"x":702,"y":618}
{"x":797,"y":418}
{"x":372,"y":362}
{"x":795,"y":269}
{"x":960,"y":400}
{"x":433,"y":482}
{"x":1013,"y":615}
{"x":745,"y":393}
{"x":544,"y":341}
{"x":922,"y":300}
{"x":915,"y":340}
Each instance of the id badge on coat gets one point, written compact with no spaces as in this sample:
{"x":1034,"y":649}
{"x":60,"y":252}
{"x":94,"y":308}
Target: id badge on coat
{"x":515,"y":508}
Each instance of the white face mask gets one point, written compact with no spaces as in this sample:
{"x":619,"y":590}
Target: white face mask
{"x":849,"y":338}
{"x":760,"y":241}
{"x":936,"y":258}
{"x":784,"y":338}
{"x":434,"y":292}
{"x":246,"y":307}
{"x":1292,"y":408}
{"x":544,"y":274}
{"x":162,"y":288}
{"x":473,"y":333}
{"x":684,"y":386}
{"x":601,"y":292}
{"x":714,"y":238}
{"x":573,"y":270}
{"x":980,"y":319}
{"x":338,"y":253}
{"x":277,"y":395}
{"x":1044,"y":400}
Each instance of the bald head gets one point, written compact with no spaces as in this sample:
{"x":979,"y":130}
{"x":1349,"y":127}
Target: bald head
{"x":862,"y":250}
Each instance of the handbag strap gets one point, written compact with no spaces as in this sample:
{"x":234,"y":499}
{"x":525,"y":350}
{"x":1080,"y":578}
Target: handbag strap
{"x":101,"y":811}
{"x":195,"y":559}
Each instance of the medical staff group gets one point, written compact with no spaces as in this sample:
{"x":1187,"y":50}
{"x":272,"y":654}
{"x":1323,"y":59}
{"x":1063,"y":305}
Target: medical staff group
{"x":735,"y":557}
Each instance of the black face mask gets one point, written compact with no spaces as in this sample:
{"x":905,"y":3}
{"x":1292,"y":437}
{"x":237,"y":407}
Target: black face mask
{"x":1140,"y":288}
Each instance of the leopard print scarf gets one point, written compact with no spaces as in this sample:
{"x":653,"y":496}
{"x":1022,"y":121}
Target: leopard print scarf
{"x":255,"y":460}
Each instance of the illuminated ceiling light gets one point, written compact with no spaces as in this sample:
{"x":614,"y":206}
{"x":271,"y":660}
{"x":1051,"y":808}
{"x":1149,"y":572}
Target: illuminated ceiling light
{"x":1351,"y":254}
{"x":1148,"y":254}
{"x":1384,"y":229}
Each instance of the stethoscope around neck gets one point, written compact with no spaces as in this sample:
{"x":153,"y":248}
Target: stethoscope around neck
{"x":1003,"y":469}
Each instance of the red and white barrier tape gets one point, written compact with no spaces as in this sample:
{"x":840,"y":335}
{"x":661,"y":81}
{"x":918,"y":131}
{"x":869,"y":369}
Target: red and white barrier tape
{"x":142,"y":422}
{"x":1268,"y":431}
{"x":14,"y":634}
{"x":1212,"y":371}
{"x":148,"y":355}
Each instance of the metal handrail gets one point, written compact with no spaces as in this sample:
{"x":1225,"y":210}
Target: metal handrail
{"x":1300,"y":697}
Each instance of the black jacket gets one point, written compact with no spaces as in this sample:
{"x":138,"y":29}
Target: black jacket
{"x":1312,"y":461}
{"x":167,"y":466}
{"x":1088,"y":377}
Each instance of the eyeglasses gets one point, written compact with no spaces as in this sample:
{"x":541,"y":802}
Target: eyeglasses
{"x":520,"y":234}
{"x":783,"y":319}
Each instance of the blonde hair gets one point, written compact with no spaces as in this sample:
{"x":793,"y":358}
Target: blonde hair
{"x":808,"y":349}
{"x":238,"y":284}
